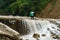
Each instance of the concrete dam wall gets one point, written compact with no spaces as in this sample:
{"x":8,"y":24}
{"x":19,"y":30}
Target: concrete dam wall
{"x":37,"y":29}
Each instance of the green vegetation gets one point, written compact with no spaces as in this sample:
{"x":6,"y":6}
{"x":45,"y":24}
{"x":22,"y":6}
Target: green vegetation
{"x":21,"y":7}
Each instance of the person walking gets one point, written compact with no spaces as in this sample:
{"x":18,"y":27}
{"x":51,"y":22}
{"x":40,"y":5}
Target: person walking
{"x":32,"y":15}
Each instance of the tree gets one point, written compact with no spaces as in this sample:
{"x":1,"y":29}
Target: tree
{"x":23,"y":6}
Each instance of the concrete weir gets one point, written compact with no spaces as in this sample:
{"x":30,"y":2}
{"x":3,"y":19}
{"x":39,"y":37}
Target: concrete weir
{"x":15,"y":22}
{"x":14,"y":17}
{"x":8,"y":27}
{"x":12,"y":26}
{"x":7,"y":33}
{"x":37,"y":29}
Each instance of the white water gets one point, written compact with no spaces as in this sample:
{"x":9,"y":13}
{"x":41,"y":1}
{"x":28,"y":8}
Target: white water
{"x":40,"y":27}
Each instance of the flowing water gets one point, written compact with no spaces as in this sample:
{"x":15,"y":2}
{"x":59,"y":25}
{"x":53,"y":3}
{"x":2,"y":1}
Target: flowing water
{"x":45,"y":29}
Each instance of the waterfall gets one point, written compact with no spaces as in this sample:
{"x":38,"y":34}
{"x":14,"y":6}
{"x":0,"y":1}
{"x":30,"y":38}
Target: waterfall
{"x":46,"y":29}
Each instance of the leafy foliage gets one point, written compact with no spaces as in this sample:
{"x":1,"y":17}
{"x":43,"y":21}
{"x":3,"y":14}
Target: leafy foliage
{"x":21,"y":7}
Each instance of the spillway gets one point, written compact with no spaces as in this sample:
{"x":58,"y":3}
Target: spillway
{"x":42,"y":29}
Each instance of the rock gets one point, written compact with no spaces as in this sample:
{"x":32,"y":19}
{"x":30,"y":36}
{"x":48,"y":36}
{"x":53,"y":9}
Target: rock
{"x":48,"y":29}
{"x":27,"y":39}
{"x":37,"y":39}
{"x":54,"y":37}
{"x":36,"y":36}
{"x":43,"y":35}
{"x":21,"y":39}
